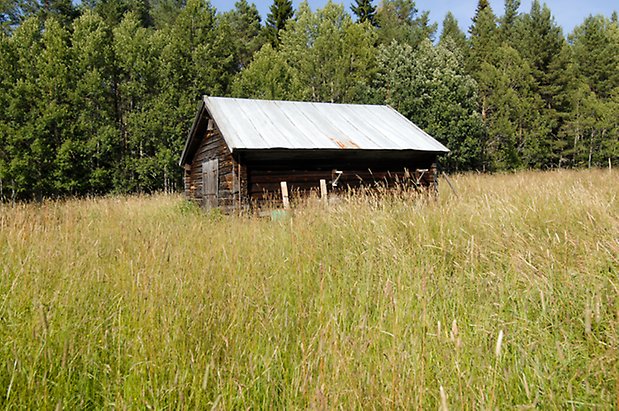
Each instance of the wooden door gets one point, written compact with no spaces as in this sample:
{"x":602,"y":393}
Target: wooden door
{"x":210,"y":183}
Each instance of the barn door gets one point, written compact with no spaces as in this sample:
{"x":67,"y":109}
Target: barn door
{"x":210,"y":183}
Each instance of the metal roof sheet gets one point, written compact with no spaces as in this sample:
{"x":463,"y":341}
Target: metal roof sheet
{"x":267,"y":124}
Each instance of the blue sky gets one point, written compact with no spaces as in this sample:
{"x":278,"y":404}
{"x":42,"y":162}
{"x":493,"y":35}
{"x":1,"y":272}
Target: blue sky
{"x":568,"y":13}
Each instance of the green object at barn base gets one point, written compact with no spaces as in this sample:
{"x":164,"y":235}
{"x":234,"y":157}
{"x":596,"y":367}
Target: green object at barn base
{"x":279,"y":215}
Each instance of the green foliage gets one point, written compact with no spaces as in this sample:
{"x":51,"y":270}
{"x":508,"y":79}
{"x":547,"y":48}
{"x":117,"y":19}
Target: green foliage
{"x":268,"y":77}
{"x":510,"y":18}
{"x":165,"y":12}
{"x":98,"y":97}
{"x":596,"y":54}
{"x":113,"y":11}
{"x":331,"y":57}
{"x":399,"y":21}
{"x":365,"y":11}
{"x":280,"y":12}
{"x":430,"y":87}
{"x":245,"y":29}
{"x":452,"y":36}
{"x":484,"y":37}
{"x":512,"y":110}
{"x":93,"y":97}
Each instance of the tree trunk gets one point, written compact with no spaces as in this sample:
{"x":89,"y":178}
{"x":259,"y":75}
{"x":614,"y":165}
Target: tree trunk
{"x":591,"y":147}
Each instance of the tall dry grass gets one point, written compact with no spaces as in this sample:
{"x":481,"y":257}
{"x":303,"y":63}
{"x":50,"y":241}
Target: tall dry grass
{"x":504,"y":297}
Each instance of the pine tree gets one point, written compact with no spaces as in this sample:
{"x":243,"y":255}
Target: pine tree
{"x":365,"y":11}
{"x":592,"y":123}
{"x":280,"y":12}
{"x":113,"y":11}
{"x":512,"y":110}
{"x":165,"y":12}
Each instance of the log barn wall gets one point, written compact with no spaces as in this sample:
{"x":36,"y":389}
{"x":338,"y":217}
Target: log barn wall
{"x":264,"y":183}
{"x":232,"y":180}
{"x":256,"y":183}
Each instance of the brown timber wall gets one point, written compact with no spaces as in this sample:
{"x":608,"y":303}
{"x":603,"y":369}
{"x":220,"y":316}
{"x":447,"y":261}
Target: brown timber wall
{"x":257,"y":182}
{"x":232,"y":184}
{"x":264,"y":184}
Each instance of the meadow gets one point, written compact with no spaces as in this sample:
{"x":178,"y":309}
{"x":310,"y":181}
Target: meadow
{"x":505,"y":296}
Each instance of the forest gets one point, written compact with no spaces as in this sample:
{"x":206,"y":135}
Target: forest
{"x":98,"y":97}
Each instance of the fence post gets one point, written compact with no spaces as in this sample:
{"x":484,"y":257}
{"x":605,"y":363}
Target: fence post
{"x":323,"y":189}
{"x":285,"y":195}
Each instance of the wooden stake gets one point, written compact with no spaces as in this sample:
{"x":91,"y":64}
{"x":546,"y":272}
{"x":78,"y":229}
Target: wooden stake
{"x":285,"y":195}
{"x":323,"y":189}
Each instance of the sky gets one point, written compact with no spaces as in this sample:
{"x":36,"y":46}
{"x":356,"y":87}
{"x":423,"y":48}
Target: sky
{"x":567,"y":13}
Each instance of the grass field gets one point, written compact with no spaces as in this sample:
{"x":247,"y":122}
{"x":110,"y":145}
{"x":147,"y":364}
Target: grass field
{"x":504,"y":297}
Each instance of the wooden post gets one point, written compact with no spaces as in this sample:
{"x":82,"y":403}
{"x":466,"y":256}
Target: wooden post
{"x":323,"y":189}
{"x":434,"y":171}
{"x":610,"y":165}
{"x":285,"y":195}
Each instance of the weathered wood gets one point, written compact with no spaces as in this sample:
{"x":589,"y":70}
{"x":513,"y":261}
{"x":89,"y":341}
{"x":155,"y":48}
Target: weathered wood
{"x":240,"y":184}
{"x":285,"y":201}
{"x":210,"y":181}
{"x":211,"y":147}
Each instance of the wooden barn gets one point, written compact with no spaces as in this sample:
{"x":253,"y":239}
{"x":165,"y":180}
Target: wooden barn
{"x":239,"y":151}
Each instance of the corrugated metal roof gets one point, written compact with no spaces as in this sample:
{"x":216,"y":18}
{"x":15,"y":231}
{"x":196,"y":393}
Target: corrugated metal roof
{"x":266,"y":124}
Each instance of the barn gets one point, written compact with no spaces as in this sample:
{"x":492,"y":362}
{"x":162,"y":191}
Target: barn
{"x":239,"y":152}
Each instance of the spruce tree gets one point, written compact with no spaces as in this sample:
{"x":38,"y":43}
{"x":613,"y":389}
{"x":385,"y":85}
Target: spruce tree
{"x":483,"y":43}
{"x":541,"y":43}
{"x":596,"y":54}
{"x":365,"y":11}
{"x":62,"y":10}
{"x":509,"y":18}
{"x":451,"y":35}
{"x":511,"y":110}
{"x":280,"y":12}
{"x":483,"y":38}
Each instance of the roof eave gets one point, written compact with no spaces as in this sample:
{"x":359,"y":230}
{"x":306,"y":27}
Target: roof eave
{"x":192,"y":132}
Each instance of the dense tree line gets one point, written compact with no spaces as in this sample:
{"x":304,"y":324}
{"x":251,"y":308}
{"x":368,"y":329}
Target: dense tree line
{"x":99,"y":97}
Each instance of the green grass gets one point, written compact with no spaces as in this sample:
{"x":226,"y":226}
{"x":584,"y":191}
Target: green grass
{"x":145,"y":302}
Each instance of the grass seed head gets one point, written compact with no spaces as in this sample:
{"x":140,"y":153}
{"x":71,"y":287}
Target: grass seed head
{"x":499,"y":344}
